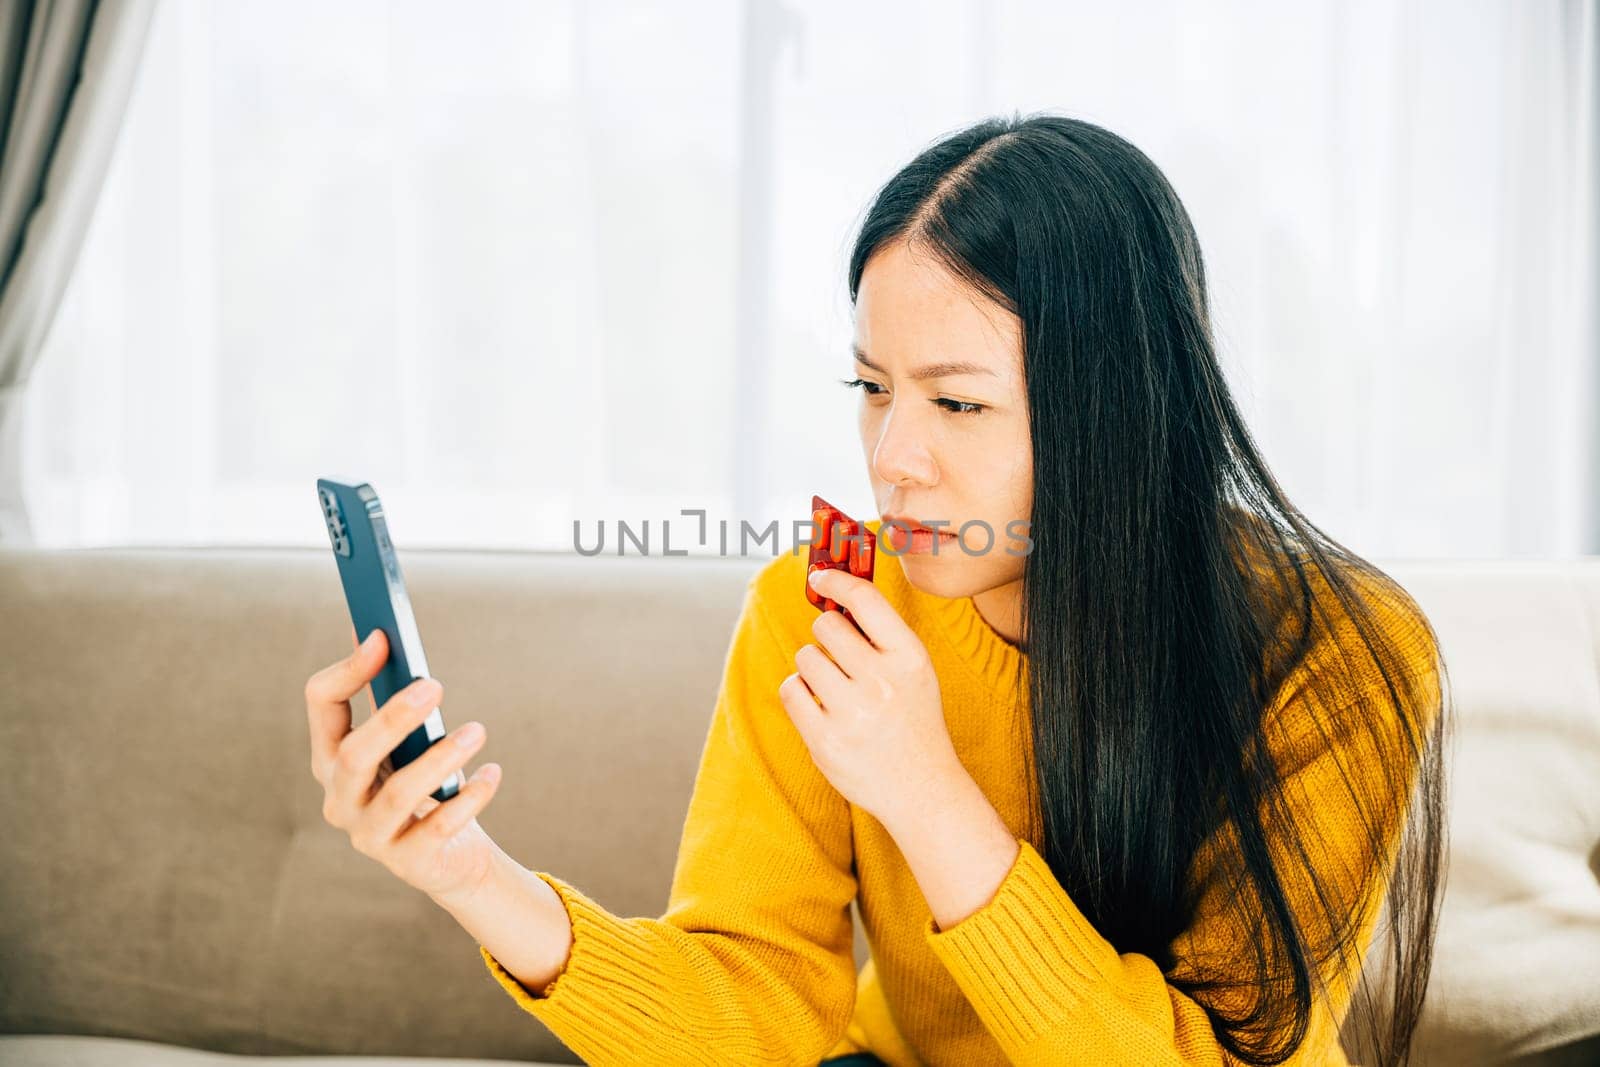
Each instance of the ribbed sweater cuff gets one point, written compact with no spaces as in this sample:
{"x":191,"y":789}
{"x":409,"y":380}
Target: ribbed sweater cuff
{"x":1027,"y":959}
{"x":610,"y":958}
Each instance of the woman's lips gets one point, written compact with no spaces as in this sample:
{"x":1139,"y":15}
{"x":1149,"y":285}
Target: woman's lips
{"x":915,"y":542}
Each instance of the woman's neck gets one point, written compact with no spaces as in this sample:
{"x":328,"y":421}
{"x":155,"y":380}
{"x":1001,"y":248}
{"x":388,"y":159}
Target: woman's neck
{"x":1001,"y":608}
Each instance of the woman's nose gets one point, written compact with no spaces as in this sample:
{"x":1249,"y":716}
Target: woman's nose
{"x":901,"y":455}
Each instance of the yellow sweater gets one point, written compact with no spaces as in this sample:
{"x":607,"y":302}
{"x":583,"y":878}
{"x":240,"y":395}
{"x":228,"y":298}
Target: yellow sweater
{"x":752,"y":961}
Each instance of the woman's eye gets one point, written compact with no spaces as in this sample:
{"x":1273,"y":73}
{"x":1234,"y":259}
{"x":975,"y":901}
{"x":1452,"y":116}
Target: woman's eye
{"x":872,"y":388}
{"x":955,"y":407}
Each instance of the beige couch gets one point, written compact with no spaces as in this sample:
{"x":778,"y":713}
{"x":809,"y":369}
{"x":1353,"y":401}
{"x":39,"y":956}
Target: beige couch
{"x":172,"y":894}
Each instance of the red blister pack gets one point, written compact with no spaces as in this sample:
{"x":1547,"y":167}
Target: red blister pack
{"x":838,"y":543}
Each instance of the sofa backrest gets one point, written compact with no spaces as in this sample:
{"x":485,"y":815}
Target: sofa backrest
{"x":169,"y":876}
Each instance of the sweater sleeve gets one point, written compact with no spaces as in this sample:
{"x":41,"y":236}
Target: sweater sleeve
{"x":1052,"y":990}
{"x":753,"y":960}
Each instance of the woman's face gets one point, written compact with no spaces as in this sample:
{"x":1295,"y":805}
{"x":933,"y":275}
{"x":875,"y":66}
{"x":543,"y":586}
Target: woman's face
{"x":944,"y":419}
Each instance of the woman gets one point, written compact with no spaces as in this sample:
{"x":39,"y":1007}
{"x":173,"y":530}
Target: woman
{"x":1131,"y":787}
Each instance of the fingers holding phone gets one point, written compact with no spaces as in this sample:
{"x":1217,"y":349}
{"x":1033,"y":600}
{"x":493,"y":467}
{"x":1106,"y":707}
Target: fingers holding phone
{"x":377,"y":650}
{"x":328,"y":694}
{"x":390,"y":815}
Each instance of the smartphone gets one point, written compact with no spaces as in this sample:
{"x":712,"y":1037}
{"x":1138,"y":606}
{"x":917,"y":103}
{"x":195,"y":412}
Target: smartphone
{"x":376,"y":594}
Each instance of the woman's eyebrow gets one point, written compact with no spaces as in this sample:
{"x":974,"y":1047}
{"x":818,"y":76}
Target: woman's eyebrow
{"x":948,"y":369}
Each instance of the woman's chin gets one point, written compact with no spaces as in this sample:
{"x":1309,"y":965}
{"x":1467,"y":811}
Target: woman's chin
{"x":939,"y":575}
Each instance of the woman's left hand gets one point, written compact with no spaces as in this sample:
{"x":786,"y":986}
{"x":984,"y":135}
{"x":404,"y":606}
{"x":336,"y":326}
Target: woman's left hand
{"x":879,"y":734}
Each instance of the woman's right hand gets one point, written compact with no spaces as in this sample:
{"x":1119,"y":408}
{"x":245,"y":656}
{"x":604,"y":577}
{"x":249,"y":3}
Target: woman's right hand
{"x":436,"y":847}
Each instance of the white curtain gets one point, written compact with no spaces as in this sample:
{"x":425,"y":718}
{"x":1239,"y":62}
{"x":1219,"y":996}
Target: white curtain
{"x":519,"y":264}
{"x":65,"y":70}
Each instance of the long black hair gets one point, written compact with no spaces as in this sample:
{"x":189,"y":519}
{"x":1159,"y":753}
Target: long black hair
{"x":1171,"y":602}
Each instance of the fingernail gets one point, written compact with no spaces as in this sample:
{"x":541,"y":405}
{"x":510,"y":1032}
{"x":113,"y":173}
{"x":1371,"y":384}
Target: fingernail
{"x":469,"y":734}
{"x":422,"y":694}
{"x":370,"y":639}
